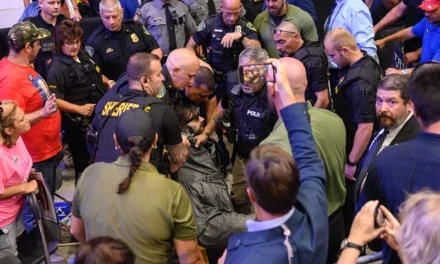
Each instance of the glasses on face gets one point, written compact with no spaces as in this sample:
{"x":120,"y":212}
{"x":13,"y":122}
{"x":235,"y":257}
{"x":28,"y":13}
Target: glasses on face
{"x":279,"y":31}
{"x":72,"y":43}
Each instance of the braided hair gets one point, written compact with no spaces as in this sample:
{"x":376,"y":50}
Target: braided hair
{"x":135,"y":147}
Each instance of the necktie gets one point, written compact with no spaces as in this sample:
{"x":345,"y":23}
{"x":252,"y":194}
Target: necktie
{"x":371,"y":154}
{"x":329,"y":19}
{"x":170,"y":26}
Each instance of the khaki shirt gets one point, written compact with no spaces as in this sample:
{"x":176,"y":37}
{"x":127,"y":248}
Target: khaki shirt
{"x":152,"y":212}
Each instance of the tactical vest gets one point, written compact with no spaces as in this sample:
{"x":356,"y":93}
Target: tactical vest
{"x":108,"y":116}
{"x":371,"y":76}
{"x":92,"y":90}
{"x":310,"y":51}
{"x":223,"y":59}
{"x":252,"y":117}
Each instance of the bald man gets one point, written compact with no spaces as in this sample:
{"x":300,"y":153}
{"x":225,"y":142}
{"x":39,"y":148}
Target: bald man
{"x":329,"y":133}
{"x":224,"y":36}
{"x":354,"y":102}
{"x":289,"y":43}
{"x":179,"y":71}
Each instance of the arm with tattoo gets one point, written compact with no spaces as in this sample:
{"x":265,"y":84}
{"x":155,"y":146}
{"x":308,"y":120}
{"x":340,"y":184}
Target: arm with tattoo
{"x":188,"y":251}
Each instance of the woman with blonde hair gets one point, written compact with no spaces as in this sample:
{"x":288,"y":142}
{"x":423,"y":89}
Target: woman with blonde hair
{"x":15,"y":168}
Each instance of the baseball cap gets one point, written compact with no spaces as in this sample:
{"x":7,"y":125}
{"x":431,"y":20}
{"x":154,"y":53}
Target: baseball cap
{"x":430,"y":5}
{"x":26,"y":32}
{"x":135,"y":122}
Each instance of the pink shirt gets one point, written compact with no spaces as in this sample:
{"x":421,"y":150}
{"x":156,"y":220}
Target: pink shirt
{"x":15,"y":166}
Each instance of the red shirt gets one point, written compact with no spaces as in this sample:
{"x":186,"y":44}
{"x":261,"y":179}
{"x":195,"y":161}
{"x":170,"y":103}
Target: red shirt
{"x":24,"y":86}
{"x":15,"y":166}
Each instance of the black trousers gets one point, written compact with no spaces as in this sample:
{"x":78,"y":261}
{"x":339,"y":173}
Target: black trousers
{"x":335,"y":236}
{"x":75,"y":137}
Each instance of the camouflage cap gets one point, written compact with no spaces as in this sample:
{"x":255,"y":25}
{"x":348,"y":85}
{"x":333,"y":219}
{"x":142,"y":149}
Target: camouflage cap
{"x":26,"y":32}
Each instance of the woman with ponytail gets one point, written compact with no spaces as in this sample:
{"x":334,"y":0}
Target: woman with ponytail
{"x":129,"y":200}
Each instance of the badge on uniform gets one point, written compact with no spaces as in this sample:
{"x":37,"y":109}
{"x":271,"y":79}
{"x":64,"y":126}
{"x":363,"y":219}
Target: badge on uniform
{"x":201,"y":26}
{"x":238,"y":29}
{"x":134,"y":38}
{"x":341,"y":80}
{"x":162,"y":92}
{"x":109,"y":50}
{"x":90,"y":51}
{"x":251,"y":27}
{"x":146,"y":31}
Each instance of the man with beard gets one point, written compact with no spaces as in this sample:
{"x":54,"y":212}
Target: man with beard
{"x":394,"y":112}
{"x":203,"y":181}
{"x":278,"y":11}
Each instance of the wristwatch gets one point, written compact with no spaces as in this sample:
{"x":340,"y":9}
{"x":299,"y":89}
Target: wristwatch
{"x":345,"y":244}
{"x":350,"y":163}
{"x":242,"y":37}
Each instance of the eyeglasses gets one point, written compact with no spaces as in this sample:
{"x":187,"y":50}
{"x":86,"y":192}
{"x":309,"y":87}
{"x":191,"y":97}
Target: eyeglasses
{"x":279,"y":31}
{"x":72,"y":43}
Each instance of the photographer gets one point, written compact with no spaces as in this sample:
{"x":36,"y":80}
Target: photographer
{"x":250,"y":117}
{"x":77,"y":83}
{"x":416,"y":237}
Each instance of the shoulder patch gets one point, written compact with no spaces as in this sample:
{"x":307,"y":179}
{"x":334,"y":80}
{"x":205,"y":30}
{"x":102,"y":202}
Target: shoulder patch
{"x":90,"y":50}
{"x":146,"y":32}
{"x":201,"y":26}
{"x":162,"y":92}
{"x":251,"y":26}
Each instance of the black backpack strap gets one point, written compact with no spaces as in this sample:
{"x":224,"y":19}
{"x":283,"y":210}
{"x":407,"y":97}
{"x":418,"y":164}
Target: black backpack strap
{"x":101,"y":126}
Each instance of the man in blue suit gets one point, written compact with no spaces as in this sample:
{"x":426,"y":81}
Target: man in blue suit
{"x":413,"y":165}
{"x":289,"y":197}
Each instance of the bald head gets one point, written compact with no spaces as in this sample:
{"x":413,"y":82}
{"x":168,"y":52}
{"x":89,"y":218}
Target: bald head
{"x":297,"y":75}
{"x":182,"y":58}
{"x":230,"y":11}
{"x":288,"y":26}
{"x":204,"y":64}
{"x":183,"y":66}
{"x":339,"y":38}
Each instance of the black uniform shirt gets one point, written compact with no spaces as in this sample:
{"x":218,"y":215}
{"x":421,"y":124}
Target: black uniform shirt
{"x":45,"y":54}
{"x":210,"y":34}
{"x":73,"y":81}
{"x":355,"y":102}
{"x":111,"y":50}
{"x":316,"y":68}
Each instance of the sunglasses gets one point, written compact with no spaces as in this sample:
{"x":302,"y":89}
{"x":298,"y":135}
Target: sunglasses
{"x":279,"y":31}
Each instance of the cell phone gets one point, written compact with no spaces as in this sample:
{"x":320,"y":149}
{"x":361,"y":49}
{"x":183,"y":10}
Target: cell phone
{"x":256,"y":73}
{"x":379,"y":218}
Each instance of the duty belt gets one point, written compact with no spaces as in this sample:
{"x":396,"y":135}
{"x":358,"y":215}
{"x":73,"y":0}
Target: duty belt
{"x":220,"y":76}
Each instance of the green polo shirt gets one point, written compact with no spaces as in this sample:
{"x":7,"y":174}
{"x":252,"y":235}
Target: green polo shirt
{"x":265,"y":27}
{"x":329,"y":133}
{"x":147,"y":217}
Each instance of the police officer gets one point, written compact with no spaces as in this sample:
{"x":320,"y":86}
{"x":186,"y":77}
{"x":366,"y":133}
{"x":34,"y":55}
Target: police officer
{"x":169,"y":21}
{"x":112,"y":43}
{"x":75,"y":79}
{"x":312,"y":54}
{"x":48,"y":17}
{"x":249,"y":118}
{"x":355,"y":102}
{"x":143,"y":83}
{"x":224,"y":36}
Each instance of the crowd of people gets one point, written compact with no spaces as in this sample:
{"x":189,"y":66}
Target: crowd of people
{"x":326,"y":146}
